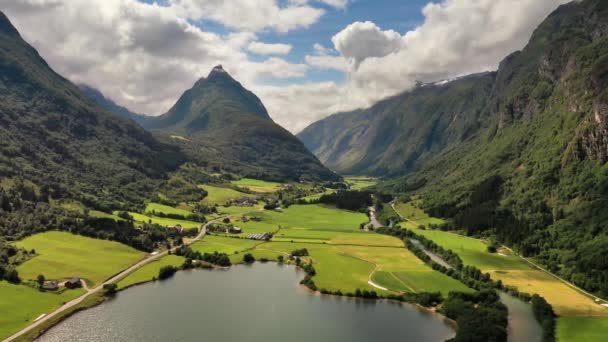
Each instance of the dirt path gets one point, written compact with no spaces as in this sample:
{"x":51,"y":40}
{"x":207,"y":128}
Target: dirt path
{"x":113,"y":279}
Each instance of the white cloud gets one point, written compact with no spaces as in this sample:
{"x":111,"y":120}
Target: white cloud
{"x":361,"y":40}
{"x":145,"y":55}
{"x":141,"y":55}
{"x":251,"y":15}
{"x":457,"y":37}
{"x":269,"y":49}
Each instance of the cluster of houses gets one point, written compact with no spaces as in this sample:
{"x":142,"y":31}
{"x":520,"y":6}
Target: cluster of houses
{"x":245,"y":202}
{"x":228,"y":229}
{"x":53,"y":285}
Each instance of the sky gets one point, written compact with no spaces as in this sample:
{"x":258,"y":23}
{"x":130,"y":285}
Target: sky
{"x":305,"y":59}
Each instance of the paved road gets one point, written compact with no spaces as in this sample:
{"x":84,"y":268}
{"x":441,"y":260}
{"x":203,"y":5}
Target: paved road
{"x":114,"y":279}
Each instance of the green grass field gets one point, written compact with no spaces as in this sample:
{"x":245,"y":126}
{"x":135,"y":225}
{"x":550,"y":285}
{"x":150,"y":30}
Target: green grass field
{"x":220,"y":195}
{"x":222,"y":244}
{"x":507,"y":267}
{"x":257,"y":185}
{"x":167,"y":222}
{"x":358,"y":183}
{"x":62,"y":255}
{"x":581,"y":329}
{"x":315,"y":217}
{"x":410,"y":211}
{"x":20,"y":305}
{"x":149,"y":271}
{"x":165,"y":209}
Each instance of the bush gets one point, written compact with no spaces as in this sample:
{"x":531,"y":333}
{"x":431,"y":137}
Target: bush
{"x":166,"y":272}
{"x":248,"y":258}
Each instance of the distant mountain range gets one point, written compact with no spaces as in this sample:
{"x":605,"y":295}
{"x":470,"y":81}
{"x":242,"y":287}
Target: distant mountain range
{"x":519,"y":153}
{"x":76,"y":143}
{"x":224,"y":127}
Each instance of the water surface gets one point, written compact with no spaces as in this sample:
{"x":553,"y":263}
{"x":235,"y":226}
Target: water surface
{"x":262,"y":302}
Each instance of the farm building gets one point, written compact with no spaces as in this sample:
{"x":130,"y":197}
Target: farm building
{"x":50,"y":285}
{"x":73,"y":283}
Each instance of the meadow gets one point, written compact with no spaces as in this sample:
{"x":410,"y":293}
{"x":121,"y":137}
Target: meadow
{"x":163,"y":221}
{"x":222,"y":244}
{"x":581,"y":329}
{"x":220,"y":195}
{"x":315,"y":217}
{"x":20,"y":305}
{"x":165,"y":209}
{"x":257,"y":185}
{"x":150,"y":270}
{"x":511,"y":269}
{"x":358,"y":183}
{"x":61,"y":255}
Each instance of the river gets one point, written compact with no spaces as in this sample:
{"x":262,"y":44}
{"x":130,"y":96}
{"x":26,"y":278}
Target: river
{"x":262,"y":302}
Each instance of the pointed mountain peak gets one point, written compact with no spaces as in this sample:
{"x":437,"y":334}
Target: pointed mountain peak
{"x":6,"y":26}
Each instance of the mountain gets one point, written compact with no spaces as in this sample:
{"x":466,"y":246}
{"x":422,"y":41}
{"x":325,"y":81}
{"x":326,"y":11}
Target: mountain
{"x":398,"y":133}
{"x":224,"y":126}
{"x":65,"y":144}
{"x":110,"y":105}
{"x":521,"y":158}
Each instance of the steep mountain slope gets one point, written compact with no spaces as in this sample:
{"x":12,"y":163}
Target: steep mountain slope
{"x":223,"y":126}
{"x":110,"y":105}
{"x":532,"y":170}
{"x":54,"y":136}
{"x":396,"y":134}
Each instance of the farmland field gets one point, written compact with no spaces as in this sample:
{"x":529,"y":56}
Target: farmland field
{"x":167,"y":222}
{"x":509,"y":268}
{"x":358,"y":183}
{"x":257,"y":185}
{"x":581,"y":329}
{"x":165,"y":209}
{"x":315,"y":217}
{"x":62,"y":255}
{"x":220,"y":195}
{"x":21,"y":304}
{"x":223,"y":244}
{"x":148,"y":271}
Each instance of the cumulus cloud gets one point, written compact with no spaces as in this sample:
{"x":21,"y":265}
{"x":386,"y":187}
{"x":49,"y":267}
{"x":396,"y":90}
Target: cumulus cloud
{"x":362,"y":40}
{"x":457,"y":37}
{"x":269,"y":49}
{"x":141,"y":55}
{"x":145,"y":55}
{"x":252,"y":15}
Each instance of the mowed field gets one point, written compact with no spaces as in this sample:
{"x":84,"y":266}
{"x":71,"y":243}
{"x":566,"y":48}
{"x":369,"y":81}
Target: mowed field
{"x":165,"y":209}
{"x":149,"y":271}
{"x":62,"y":255}
{"x":358,"y":183}
{"x":582,"y":329}
{"x":257,"y":185}
{"x":345,"y":257}
{"x":219,"y":195}
{"x":163,"y":221}
{"x":20,"y":305}
{"x":514,"y":271}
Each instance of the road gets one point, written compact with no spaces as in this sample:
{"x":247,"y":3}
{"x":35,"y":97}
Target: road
{"x":113,"y":279}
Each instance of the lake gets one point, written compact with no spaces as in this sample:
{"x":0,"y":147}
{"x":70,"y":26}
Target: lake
{"x":262,"y":302}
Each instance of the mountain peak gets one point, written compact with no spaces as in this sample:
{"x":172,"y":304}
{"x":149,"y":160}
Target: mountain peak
{"x":6,"y":26}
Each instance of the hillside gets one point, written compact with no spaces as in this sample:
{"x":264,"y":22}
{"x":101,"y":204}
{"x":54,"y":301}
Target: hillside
{"x":111,"y":106}
{"x":223,"y":126}
{"x":522,"y":159}
{"x":65,"y":144}
{"x":400,"y":132}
